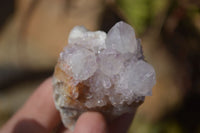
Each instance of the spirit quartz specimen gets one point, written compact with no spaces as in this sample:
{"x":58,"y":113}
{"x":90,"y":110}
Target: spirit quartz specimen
{"x":101,"y":72}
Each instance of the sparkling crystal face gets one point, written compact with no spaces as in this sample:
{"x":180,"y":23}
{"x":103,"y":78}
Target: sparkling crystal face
{"x":110,"y":65}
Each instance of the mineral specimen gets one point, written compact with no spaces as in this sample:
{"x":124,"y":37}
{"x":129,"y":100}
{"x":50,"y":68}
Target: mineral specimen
{"x":101,"y":72}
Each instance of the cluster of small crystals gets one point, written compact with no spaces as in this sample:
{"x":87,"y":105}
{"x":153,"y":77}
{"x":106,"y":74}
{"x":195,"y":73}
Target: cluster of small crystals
{"x":111,"y":65}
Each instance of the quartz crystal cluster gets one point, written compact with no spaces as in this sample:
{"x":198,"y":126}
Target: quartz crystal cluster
{"x":101,"y":72}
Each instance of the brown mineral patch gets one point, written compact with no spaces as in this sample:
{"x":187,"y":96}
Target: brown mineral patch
{"x":67,"y":80}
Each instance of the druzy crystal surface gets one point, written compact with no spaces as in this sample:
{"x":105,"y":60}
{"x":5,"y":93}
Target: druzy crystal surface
{"x":101,"y":72}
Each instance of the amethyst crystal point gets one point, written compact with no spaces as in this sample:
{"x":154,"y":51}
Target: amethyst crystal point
{"x":101,"y":72}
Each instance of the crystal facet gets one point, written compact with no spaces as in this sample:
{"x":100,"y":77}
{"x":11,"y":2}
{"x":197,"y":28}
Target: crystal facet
{"x":122,"y":38}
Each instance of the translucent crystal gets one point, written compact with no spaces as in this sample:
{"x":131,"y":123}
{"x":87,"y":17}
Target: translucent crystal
{"x":122,"y":38}
{"x":138,"y":77}
{"x":81,"y":61}
{"x":95,"y":41}
{"x":99,"y":72}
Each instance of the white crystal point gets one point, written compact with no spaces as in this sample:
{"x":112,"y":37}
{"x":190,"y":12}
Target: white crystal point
{"x":139,"y":78}
{"x":121,"y":37}
{"x":81,"y":61}
{"x":95,"y":41}
{"x":75,"y":33}
{"x":83,"y":64}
